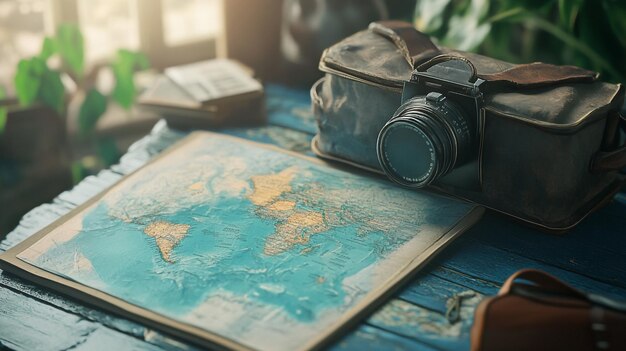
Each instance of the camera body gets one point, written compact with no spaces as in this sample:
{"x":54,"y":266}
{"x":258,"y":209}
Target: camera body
{"x":537,"y":142}
{"x":436,"y":126}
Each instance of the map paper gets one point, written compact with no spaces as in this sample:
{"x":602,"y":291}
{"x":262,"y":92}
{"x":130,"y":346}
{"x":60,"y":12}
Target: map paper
{"x":249,"y":243}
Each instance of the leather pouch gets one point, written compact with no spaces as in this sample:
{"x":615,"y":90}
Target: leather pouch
{"x":535,"y":311}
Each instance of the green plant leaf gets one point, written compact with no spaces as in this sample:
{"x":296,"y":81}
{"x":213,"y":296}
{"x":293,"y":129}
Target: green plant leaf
{"x":616,"y":15}
{"x":3,"y":119}
{"x":70,"y":45}
{"x":3,"y":111}
{"x":52,"y":91}
{"x":124,"y":66}
{"x":124,"y":90}
{"x":497,"y":43}
{"x":28,"y":79}
{"x":468,"y":27}
{"x":556,"y":31}
{"x":93,"y":107}
{"x":429,"y":15}
{"x":108,"y":152}
{"x":141,"y":60}
{"x":568,"y":10}
{"x":78,"y":172}
{"x":48,"y":48}
{"x":568,"y":40}
{"x":508,"y":15}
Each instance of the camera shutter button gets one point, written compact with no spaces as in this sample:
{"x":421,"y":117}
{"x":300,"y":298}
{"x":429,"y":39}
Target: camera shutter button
{"x":435,"y":98}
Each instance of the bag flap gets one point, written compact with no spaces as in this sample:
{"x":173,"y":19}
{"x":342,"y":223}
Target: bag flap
{"x":373,"y":57}
{"x":565,"y":107}
{"x":369,"y":56}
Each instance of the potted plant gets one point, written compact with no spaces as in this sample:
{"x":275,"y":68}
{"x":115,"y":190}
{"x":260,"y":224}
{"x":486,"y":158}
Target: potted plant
{"x":521,"y":31}
{"x":36,"y":157}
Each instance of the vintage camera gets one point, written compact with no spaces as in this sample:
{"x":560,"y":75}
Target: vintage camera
{"x":535,"y":141}
{"x":435,"y":130}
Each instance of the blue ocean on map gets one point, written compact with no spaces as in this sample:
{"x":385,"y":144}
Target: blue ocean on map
{"x":214,"y":257}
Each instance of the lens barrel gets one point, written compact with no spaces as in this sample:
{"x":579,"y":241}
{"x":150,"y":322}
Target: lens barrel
{"x":424,"y":140}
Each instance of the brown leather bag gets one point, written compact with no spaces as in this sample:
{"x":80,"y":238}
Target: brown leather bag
{"x":544,"y":313}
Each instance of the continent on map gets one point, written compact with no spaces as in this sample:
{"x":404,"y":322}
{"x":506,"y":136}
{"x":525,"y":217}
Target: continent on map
{"x":167,"y":236}
{"x":313,"y":209}
{"x":268,"y":187}
{"x":295,"y":225}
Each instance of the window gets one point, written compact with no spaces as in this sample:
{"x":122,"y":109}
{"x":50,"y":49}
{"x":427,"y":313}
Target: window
{"x":170,"y":32}
{"x":187,"y":21}
{"x":22,"y":27}
{"x":108,"y":25}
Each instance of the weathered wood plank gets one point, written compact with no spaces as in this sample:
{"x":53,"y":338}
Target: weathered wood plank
{"x":367,"y":337}
{"x":290,"y":108}
{"x":493,"y":264}
{"x":31,"y":292}
{"x":477,"y":284}
{"x":27,"y":324}
{"x":596,"y":249}
{"x":432,"y":292}
{"x":433,"y":328}
{"x":104,"y":339}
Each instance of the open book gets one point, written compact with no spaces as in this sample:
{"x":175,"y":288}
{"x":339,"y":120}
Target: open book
{"x":225,"y":242}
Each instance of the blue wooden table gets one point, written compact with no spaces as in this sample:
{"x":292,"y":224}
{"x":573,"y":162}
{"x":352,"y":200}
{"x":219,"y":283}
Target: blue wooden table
{"x":592,"y":257}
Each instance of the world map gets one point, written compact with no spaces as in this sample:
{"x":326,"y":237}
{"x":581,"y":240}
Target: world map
{"x":257,"y":245}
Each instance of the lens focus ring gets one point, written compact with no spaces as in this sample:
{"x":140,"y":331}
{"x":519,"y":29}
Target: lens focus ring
{"x":424,"y":140}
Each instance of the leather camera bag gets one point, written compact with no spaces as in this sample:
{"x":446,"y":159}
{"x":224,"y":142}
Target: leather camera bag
{"x":549,"y":135}
{"x":547,"y":314}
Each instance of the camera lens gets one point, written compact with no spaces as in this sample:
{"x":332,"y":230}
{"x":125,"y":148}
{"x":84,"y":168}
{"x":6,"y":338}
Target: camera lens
{"x":425,"y":139}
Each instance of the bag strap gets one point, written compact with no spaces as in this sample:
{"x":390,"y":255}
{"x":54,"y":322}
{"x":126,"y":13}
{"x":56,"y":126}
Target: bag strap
{"x":549,"y":283}
{"x":531,"y":75}
{"x":538,"y":74}
{"x":418,"y":50}
{"x":543,"y":280}
{"x":413,"y":44}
